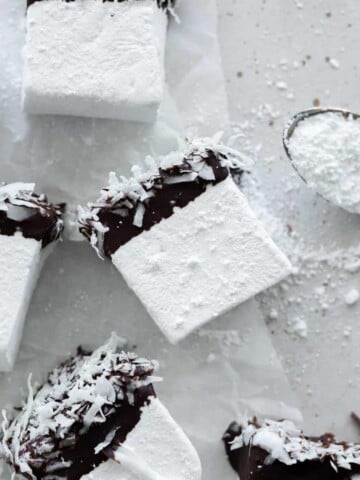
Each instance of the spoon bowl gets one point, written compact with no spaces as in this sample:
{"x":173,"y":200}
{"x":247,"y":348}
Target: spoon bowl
{"x":299,"y":117}
{"x":334,"y":175}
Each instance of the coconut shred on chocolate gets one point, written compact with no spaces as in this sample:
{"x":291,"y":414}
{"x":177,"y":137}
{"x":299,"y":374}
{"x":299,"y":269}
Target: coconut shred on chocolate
{"x":128,"y":206}
{"x":165,"y":4}
{"x":84,"y":411}
{"x":23,"y":211}
{"x":274,"y":450}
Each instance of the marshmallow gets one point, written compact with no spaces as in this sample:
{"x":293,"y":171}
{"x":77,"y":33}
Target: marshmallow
{"x":156,"y":449}
{"x":184,"y":238}
{"x":95,"y":59}
{"x":202,"y":261}
{"x":20,"y":264}
{"x":29,"y":226}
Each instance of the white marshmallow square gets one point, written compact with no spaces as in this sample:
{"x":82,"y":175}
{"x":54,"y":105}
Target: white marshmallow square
{"x":157,"y":449}
{"x":20,"y":264}
{"x":202,"y":261}
{"x":94,"y":59}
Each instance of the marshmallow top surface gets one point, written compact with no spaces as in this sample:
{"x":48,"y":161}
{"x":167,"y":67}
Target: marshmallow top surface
{"x":95,"y":59}
{"x":20,"y":263}
{"x":89,"y":403}
{"x":22,"y":210}
{"x":203,"y":260}
{"x":156,"y":449}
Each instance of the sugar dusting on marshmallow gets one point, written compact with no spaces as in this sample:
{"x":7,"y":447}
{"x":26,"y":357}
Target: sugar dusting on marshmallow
{"x":20,"y":265}
{"x":203,"y":260}
{"x":95,"y":59}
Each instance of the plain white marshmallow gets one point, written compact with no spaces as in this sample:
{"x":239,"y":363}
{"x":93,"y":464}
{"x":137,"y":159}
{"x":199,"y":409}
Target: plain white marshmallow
{"x":156,"y":449}
{"x":20,"y":264}
{"x":94,"y":59}
{"x":202,"y":261}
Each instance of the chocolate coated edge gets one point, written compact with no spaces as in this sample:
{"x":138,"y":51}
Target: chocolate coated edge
{"x":41,"y":226}
{"x":161,"y":3}
{"x":165,"y":197}
{"x":249,"y":462}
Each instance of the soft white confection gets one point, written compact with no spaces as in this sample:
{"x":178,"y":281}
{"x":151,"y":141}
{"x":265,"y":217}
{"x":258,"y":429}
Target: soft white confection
{"x":156,"y":449}
{"x":94,"y":59}
{"x":203,"y":260}
{"x":20,"y":264}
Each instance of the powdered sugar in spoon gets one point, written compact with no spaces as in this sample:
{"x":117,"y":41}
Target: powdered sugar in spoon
{"x":323,"y":145}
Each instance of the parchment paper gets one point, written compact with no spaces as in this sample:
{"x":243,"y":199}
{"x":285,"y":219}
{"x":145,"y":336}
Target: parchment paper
{"x":227,"y":369}
{"x":288,"y":44}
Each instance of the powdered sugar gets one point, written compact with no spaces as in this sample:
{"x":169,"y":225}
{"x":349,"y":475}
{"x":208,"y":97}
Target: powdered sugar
{"x":325,"y":149}
{"x":352,"y":296}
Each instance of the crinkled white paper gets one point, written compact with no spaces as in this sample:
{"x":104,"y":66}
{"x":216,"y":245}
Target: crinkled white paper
{"x":228,"y":368}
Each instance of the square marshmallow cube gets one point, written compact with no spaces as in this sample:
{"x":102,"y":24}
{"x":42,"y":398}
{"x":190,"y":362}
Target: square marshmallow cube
{"x":20,"y":264}
{"x":94,"y":59}
{"x":202,"y":261}
{"x":157,"y":449}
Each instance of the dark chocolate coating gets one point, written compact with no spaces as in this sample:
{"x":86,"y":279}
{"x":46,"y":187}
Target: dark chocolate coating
{"x":77,"y":449}
{"x":160,"y":206}
{"x":82,"y":455}
{"x":248,"y":462}
{"x":40,"y":226}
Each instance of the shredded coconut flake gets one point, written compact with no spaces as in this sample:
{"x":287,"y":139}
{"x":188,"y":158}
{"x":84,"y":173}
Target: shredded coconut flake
{"x":126,"y":194}
{"x":287,"y":444}
{"x":19,"y":201}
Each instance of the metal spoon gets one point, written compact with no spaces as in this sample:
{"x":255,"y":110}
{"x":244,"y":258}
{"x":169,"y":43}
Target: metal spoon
{"x":293,"y":123}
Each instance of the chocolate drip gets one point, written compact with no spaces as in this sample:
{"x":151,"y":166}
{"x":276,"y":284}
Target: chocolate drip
{"x":41,"y":226}
{"x":249,"y":463}
{"x":161,"y":3}
{"x":166,"y":196}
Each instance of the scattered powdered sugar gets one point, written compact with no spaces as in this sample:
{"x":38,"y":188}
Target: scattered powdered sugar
{"x":335,"y":64}
{"x":297,"y":326}
{"x":285,"y":443}
{"x":352,"y":296}
{"x":325,"y":150}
